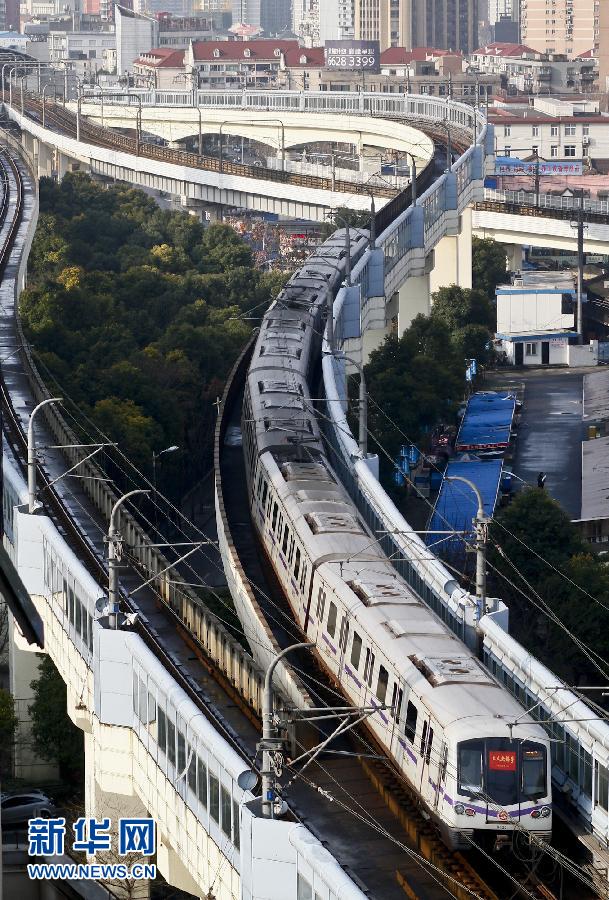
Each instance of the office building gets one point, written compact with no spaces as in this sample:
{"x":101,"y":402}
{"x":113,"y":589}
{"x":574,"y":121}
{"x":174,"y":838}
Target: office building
{"x":567,"y":26}
{"x":135,"y":33}
{"x":272,"y":16}
{"x":446,"y":24}
{"x":317,"y":21}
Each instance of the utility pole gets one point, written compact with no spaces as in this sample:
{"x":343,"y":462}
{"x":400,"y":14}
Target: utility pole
{"x":115,"y":552}
{"x":31,"y":454}
{"x":271,"y":743}
{"x":481,"y":523}
{"x":580,"y":269}
{"x":347,"y":253}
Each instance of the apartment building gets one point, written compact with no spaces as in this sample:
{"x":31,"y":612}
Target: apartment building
{"x":560,"y":26}
{"x":551,"y":129}
{"x":526,"y":70}
{"x":272,"y":16}
{"x":316,"y":21}
{"x":448,"y":24}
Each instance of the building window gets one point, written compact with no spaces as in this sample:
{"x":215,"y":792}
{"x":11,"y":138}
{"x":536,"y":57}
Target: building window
{"x":554,"y":151}
{"x":507,"y":130}
{"x":554,"y":131}
{"x":570,"y":150}
{"x":535,"y":131}
{"x":507,"y":151}
{"x":586,"y":130}
{"x":570,"y":130}
{"x":531,"y":350}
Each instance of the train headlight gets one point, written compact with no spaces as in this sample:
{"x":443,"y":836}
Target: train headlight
{"x":470,"y":812}
{"x":545,"y":811}
{"x":459,"y":809}
{"x":535,"y":814}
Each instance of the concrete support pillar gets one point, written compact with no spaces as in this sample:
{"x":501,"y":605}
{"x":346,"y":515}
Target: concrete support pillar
{"x":62,"y":165}
{"x":464,"y":241}
{"x":45,"y":161}
{"x":106,"y":804}
{"x":453,"y":257}
{"x":414,"y":297}
{"x":515,"y":257}
{"x":445,"y":271}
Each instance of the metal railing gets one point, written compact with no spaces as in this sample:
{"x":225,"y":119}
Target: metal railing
{"x":547,"y":201}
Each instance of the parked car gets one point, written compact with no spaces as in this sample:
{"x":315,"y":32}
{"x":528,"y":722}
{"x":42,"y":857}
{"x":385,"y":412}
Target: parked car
{"x":18,"y":808}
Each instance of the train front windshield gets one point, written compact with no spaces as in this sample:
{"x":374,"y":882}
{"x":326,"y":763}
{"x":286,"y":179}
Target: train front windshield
{"x":501,"y":771}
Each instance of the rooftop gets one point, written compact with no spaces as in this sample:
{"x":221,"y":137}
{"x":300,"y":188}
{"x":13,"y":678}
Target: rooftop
{"x":237,"y":50}
{"x":595,"y":479}
{"x":499,"y":48}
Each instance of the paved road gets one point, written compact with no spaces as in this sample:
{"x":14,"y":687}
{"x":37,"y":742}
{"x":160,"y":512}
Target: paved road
{"x":551,"y":432}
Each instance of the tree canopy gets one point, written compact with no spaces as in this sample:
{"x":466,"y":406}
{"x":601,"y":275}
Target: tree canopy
{"x":55,"y":736}
{"x":416,"y":380}
{"x":138,"y":313}
{"x":489,"y":261}
{"x":8,"y":727}
{"x":540,"y":563}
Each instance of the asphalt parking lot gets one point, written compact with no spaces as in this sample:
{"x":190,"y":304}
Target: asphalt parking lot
{"x":551,"y":431}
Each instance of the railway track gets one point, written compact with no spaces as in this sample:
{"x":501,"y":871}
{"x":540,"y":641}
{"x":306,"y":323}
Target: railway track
{"x":65,"y":121}
{"x":386,"y":784}
{"x":542,"y":212}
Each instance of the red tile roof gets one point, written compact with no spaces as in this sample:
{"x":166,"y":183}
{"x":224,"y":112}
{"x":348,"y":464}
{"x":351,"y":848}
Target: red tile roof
{"x":162,"y":58}
{"x":305,"y":56}
{"x":499,"y":48}
{"x":237,"y":50}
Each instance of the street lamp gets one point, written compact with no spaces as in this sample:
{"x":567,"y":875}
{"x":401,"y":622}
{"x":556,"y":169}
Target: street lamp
{"x":115,"y":546}
{"x":31,"y":454}
{"x":481,"y":523}
{"x":155,"y":456}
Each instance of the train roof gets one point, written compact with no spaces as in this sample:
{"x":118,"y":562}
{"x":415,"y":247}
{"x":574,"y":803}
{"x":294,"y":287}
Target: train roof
{"x":440,"y":668}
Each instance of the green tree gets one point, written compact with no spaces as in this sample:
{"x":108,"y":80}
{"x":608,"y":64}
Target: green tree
{"x":8,"y":727}
{"x":489,"y":263}
{"x":539,"y":561}
{"x":355,"y":219}
{"x":55,"y":736}
{"x":459,"y":307}
{"x":414,"y":381}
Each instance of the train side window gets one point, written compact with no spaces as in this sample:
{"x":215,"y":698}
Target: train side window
{"x":396,"y":701}
{"x":274,"y":519}
{"x":265,"y":491}
{"x":331,"y":626}
{"x":291,"y":554}
{"x":429,"y":743}
{"x":382,"y":684}
{"x":369,"y":667}
{"x":344,"y":634}
{"x":410,"y":729}
{"x":303,"y":577}
{"x":423,"y":738}
{"x":286,"y":535}
{"x":297,"y":563}
{"x":279,"y":525}
{"x":356,"y":650}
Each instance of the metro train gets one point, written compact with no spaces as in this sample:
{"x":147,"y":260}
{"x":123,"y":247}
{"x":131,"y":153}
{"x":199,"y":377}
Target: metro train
{"x":477,"y":763}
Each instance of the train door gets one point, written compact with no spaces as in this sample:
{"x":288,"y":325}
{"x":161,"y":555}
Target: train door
{"x":426,"y":748}
{"x":343,"y":640}
{"x":441,"y":777}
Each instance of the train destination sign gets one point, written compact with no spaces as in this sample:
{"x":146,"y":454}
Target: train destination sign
{"x":502,"y":760}
{"x":354,"y":56}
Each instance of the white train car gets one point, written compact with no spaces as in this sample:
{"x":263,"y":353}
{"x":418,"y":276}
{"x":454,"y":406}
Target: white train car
{"x":477,"y":763}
